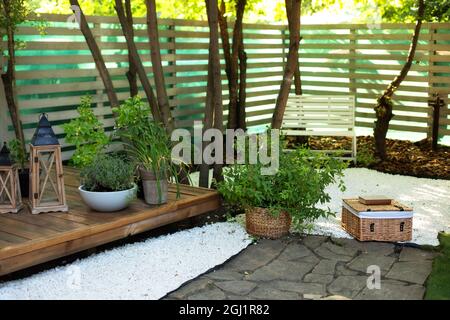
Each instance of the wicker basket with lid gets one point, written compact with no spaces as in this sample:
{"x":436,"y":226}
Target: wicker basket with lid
{"x":388,"y":221}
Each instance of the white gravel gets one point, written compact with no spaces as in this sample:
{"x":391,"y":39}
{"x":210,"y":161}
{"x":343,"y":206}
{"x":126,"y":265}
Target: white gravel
{"x":430,"y":199}
{"x":144,"y":270}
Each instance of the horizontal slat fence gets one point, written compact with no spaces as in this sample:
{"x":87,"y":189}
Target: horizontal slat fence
{"x":56,"y":69}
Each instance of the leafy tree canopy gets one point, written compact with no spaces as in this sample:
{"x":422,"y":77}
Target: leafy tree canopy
{"x":268,"y":10}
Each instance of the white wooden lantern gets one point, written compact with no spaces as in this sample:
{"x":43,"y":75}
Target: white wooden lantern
{"x":46,"y":177}
{"x":10,"y":197}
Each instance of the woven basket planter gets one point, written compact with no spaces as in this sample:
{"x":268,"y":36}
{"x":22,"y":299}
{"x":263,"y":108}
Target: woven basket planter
{"x":260,"y":222}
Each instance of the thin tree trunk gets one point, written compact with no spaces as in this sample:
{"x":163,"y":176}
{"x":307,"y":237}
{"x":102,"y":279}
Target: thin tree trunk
{"x":297,"y":76}
{"x":232,"y":59}
{"x":213,"y":109}
{"x":208,"y":121}
{"x":291,"y":63}
{"x":158,"y":72}
{"x":9,"y":79}
{"x":98,"y":58}
{"x":384,"y":106}
{"x":132,"y":70}
{"x":242,"y":122}
{"x":223,"y":24}
{"x":138,"y":63}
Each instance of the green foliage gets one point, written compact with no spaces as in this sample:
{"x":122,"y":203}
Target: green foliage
{"x":365,"y":156}
{"x":108,"y":173}
{"x":406,"y":10}
{"x":86,"y":133}
{"x":297,"y":187}
{"x":18,"y":154}
{"x":438,"y":283}
{"x":13,"y":14}
{"x":145,"y":140}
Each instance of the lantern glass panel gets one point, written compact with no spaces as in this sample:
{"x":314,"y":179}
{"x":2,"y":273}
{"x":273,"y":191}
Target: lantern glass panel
{"x":48,"y":186}
{"x":6,"y":198}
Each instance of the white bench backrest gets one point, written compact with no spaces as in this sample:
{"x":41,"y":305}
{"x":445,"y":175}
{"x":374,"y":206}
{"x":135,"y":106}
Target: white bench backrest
{"x":319,"y":113}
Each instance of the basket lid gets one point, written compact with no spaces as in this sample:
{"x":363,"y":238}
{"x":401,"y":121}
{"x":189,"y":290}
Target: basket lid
{"x":356,"y":205}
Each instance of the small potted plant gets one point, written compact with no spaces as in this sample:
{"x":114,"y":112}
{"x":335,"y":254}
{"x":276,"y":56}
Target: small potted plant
{"x":149,"y":145}
{"x":108,"y":183}
{"x":273,"y":203}
{"x":20,"y":156}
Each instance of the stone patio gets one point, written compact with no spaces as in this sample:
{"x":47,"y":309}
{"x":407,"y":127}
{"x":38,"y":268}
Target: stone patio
{"x":314,"y":267}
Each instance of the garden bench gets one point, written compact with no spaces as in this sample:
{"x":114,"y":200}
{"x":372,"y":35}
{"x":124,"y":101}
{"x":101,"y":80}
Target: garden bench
{"x":332,"y":116}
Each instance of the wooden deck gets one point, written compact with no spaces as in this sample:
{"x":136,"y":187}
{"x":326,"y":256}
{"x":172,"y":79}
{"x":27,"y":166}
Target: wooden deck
{"x":27,"y":240}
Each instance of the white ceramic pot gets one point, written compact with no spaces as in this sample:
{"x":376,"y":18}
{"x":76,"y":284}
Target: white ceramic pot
{"x":108,"y":201}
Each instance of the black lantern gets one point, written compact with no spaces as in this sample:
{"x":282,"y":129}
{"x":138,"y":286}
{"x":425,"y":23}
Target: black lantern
{"x":46,"y":177}
{"x":10,"y":197}
{"x":5,"y":159}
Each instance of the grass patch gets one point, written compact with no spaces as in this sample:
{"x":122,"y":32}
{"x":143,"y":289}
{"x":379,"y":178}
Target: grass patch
{"x":438,"y":284}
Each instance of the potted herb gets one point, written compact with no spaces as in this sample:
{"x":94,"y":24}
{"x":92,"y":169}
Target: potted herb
{"x":86,"y":133}
{"x":20,"y":156}
{"x":108,"y":183}
{"x":273,"y":202}
{"x":148,"y":143}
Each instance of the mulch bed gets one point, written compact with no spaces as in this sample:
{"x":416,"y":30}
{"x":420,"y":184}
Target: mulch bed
{"x":404,"y":157}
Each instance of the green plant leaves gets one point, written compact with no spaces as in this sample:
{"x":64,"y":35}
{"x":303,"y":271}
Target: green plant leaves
{"x":297,"y":187}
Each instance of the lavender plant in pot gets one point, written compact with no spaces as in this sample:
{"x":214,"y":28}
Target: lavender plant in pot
{"x":148,"y":144}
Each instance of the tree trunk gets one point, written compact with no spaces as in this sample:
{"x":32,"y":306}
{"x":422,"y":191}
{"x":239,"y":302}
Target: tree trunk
{"x":223,"y":24}
{"x":98,"y":58}
{"x":138,"y":63}
{"x":213,"y":109}
{"x":132,"y":70}
{"x":232,"y":59}
{"x":384,"y":106}
{"x":9,"y":79}
{"x":242,"y":122}
{"x":158,"y":72}
{"x":297,"y":76}
{"x":291,"y":63}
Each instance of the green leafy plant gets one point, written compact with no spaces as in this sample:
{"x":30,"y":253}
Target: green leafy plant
{"x":296,"y":188}
{"x":366,"y":156}
{"x":86,"y":133}
{"x":145,"y":140}
{"x":18,"y":154}
{"x":108,"y":173}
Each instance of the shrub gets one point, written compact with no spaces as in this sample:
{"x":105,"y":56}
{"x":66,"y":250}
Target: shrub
{"x":296,"y":188}
{"x":18,"y":154}
{"x":86,"y":133}
{"x":145,"y":140}
{"x":108,"y":173}
{"x":365,"y":156}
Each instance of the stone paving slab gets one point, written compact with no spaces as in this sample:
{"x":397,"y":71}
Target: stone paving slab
{"x":314,"y":267}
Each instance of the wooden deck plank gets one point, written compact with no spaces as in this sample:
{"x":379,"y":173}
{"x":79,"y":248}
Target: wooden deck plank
{"x":23,"y":229}
{"x":27,"y":240}
{"x":50,"y":222}
{"x":10,"y":238}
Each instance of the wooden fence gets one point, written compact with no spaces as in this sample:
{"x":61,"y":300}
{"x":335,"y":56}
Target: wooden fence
{"x":56,"y":69}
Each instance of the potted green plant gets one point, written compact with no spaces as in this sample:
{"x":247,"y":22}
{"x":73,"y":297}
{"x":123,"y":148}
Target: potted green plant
{"x":108,"y":183}
{"x":86,"y":133}
{"x":289,"y":197}
{"x":149,"y":145}
{"x":20,"y":156}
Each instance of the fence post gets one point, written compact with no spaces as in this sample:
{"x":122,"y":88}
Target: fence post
{"x":352,"y":62}
{"x":172,"y":62}
{"x":431,"y":85}
{"x":99,"y":92}
{"x":283,"y":43}
{"x":5,"y":135}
